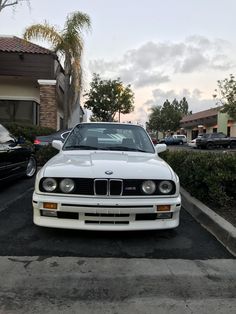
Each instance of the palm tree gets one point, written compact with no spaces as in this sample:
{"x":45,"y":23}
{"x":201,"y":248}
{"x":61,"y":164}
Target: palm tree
{"x":68,"y":43}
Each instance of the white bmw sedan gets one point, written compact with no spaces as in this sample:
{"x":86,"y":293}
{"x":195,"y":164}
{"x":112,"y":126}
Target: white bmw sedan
{"x":107,"y":176}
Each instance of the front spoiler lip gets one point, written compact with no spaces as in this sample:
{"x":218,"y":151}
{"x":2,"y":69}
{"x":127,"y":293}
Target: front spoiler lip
{"x":132,"y":226}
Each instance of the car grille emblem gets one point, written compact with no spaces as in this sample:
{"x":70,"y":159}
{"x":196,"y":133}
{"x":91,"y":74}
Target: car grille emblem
{"x":109,"y":172}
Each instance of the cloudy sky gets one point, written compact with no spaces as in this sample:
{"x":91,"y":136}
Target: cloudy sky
{"x":164,"y":49}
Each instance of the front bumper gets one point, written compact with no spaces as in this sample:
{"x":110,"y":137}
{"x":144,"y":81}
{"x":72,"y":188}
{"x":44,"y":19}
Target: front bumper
{"x":106,"y":214}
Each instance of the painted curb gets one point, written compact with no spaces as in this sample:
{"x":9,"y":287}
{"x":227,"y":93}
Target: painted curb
{"x":224,"y":231}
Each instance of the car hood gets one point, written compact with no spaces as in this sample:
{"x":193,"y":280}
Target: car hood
{"x":94,"y":164}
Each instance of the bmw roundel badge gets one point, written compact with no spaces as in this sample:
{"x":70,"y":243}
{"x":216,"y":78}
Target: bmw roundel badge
{"x":109,"y":172}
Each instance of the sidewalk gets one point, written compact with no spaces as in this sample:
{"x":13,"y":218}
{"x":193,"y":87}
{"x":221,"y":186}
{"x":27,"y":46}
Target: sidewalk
{"x":215,"y":224}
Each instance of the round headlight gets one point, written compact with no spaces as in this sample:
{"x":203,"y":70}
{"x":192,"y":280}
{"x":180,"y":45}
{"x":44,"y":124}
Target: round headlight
{"x":67,"y":185}
{"x":149,"y":187}
{"x":165,"y":187}
{"x":49,"y":184}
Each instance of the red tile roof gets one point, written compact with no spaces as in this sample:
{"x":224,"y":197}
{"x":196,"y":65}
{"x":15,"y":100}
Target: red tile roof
{"x":16,"y":44}
{"x":201,"y":115}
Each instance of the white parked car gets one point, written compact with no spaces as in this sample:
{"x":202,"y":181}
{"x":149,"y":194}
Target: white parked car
{"x":192,"y":143}
{"x":180,"y":137}
{"x":107,"y":176}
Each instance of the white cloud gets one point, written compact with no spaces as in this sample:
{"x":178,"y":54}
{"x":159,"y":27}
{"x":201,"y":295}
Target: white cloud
{"x":154,"y":63}
{"x":169,"y":70}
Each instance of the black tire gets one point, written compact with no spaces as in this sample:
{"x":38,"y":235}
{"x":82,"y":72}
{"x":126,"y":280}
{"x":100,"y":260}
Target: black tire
{"x":181,"y":143}
{"x":232,"y":144}
{"x":31,"y":167}
{"x":209,"y":146}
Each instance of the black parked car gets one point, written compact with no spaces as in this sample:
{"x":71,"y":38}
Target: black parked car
{"x":43,"y":140}
{"x":16,"y":160}
{"x":212,"y":140}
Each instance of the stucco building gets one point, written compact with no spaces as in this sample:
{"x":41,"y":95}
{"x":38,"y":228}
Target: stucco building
{"x":208,"y":121}
{"x":31,"y":84}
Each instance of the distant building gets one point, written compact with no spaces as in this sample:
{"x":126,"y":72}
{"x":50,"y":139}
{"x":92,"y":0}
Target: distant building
{"x":31,"y":84}
{"x":208,"y":121}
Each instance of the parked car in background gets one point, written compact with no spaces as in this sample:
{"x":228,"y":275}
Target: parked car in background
{"x":192,"y":143}
{"x":16,"y":159}
{"x":43,"y":140}
{"x":213,"y":140}
{"x":171,"y":140}
{"x":107,"y":176}
{"x":181,"y":137}
{"x":154,"y":140}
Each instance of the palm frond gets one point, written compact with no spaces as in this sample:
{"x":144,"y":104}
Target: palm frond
{"x":43,"y":31}
{"x":77,"y":21}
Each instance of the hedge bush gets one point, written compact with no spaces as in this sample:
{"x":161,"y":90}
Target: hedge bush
{"x":210,"y":177}
{"x":44,"y":154}
{"x":29,"y":132}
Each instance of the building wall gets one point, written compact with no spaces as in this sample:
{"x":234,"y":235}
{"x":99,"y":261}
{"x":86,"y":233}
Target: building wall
{"x":31,"y":65}
{"x":48,"y":116}
{"x":233,"y":129}
{"x":19,"y":89}
{"x":222,"y":120}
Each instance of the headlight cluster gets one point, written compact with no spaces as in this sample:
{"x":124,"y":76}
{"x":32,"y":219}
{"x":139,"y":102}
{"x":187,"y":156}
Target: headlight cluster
{"x":150,"y":187}
{"x":65,"y":185}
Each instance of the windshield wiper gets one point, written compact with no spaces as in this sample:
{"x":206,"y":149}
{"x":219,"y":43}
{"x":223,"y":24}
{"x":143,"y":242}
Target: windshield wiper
{"x":125,"y":148}
{"x":81,"y":147}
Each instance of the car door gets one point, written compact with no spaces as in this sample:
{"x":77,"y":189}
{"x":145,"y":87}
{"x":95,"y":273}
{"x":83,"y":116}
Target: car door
{"x":223,"y":140}
{"x":13,"y":158}
{"x":3,"y":162}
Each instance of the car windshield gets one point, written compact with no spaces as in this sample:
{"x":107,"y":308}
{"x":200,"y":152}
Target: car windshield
{"x":105,"y":136}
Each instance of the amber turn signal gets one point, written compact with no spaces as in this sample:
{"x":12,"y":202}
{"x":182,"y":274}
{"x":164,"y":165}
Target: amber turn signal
{"x":50,"y":205}
{"x":163,"y":208}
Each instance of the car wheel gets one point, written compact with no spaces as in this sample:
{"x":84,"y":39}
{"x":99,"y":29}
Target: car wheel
{"x":181,"y":143}
{"x":209,"y":146}
{"x":233,"y":145}
{"x":31,"y":167}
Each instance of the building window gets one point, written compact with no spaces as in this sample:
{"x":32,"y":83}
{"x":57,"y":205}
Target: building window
{"x":19,"y":111}
{"x":228,"y":130}
{"x":214,"y":130}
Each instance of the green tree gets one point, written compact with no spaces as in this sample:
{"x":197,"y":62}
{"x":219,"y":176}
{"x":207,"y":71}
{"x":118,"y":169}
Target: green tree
{"x":226,"y":95}
{"x":155,"y":119}
{"x":10,"y":3}
{"x":68,"y":43}
{"x":167,"y":117}
{"x":107,"y":98}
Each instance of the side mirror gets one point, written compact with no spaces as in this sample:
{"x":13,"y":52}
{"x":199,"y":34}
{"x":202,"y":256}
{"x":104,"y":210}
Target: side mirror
{"x":160,"y":148}
{"x":57,"y":144}
{"x":11,"y":143}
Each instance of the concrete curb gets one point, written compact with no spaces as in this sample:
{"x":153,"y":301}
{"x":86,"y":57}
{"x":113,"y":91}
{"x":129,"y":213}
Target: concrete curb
{"x":215,"y":224}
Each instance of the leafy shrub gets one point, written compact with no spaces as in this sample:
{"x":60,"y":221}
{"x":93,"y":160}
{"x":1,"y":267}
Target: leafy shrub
{"x":44,"y":154}
{"x":210,"y":177}
{"x":29,"y":132}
